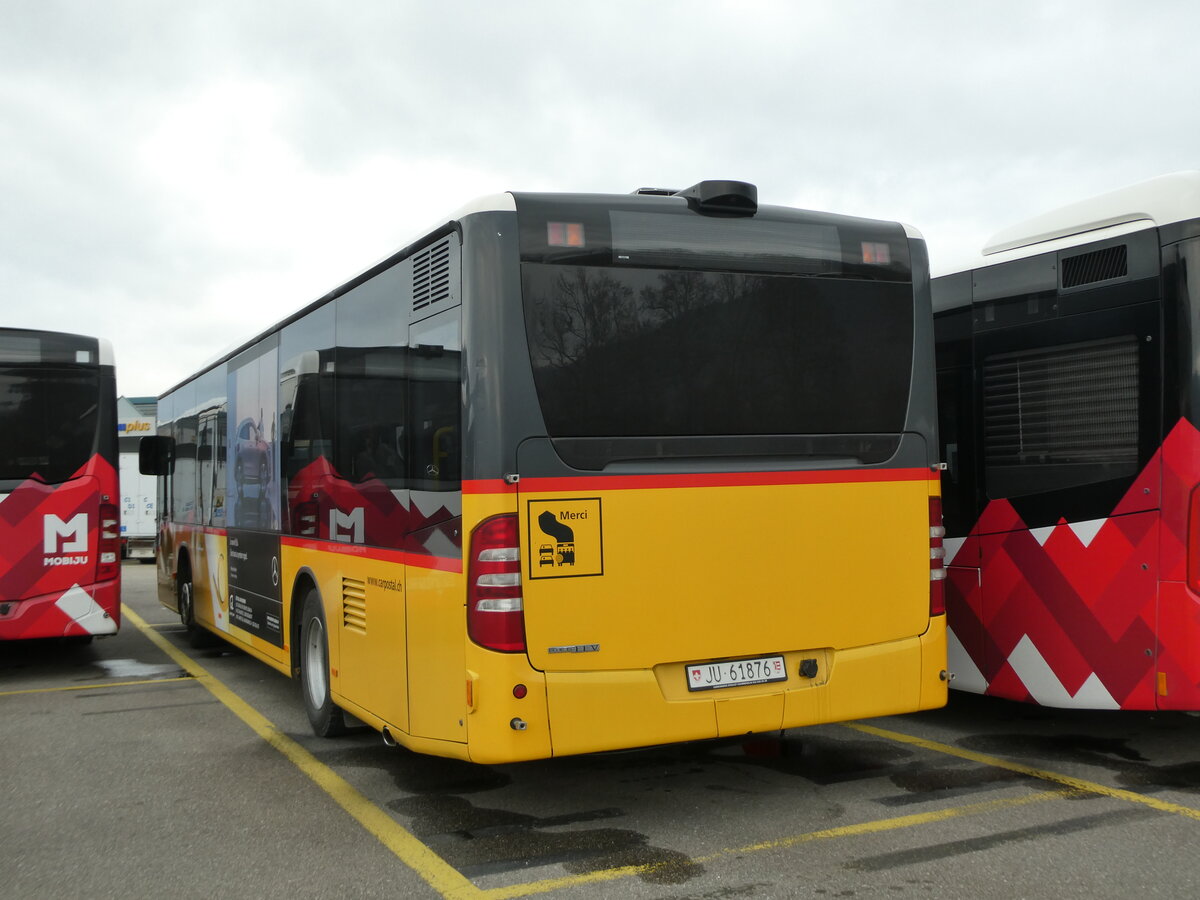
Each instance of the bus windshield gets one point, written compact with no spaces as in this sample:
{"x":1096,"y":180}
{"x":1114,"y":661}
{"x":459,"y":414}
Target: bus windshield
{"x":48,"y":422}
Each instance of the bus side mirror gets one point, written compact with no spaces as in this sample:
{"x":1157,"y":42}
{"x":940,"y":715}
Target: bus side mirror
{"x":156,"y":455}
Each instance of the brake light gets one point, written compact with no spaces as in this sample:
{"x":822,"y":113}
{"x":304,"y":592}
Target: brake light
{"x":495,"y":606}
{"x":937,"y":559}
{"x":110,"y":542}
{"x":1193,"y":541}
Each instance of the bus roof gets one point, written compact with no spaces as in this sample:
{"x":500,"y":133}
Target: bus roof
{"x":39,"y":345}
{"x":1147,"y":204}
{"x":497,"y":202}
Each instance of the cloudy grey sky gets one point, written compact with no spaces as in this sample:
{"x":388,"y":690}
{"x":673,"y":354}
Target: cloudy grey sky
{"x":177,"y":176}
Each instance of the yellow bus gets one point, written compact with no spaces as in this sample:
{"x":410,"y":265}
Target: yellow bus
{"x":575,"y":473}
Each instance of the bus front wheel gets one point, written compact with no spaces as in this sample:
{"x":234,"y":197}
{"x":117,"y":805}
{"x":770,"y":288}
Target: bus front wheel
{"x":196,"y":636}
{"x":326,"y":718}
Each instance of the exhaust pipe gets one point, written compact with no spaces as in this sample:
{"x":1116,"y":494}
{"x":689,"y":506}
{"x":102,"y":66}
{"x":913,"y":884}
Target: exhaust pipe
{"x":388,"y":740}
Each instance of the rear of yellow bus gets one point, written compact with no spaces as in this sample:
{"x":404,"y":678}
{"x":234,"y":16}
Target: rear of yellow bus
{"x":705,"y":497}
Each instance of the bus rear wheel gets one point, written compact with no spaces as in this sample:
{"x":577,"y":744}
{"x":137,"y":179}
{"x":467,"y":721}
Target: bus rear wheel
{"x":326,"y":718}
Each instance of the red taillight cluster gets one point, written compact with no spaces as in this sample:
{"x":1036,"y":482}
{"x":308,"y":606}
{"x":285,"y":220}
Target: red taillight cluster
{"x":495,"y":606}
{"x":110,"y":543}
{"x":937,"y":559}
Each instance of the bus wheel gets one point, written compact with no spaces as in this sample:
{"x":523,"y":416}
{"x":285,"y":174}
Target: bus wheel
{"x":197,"y":638}
{"x":327,"y":720}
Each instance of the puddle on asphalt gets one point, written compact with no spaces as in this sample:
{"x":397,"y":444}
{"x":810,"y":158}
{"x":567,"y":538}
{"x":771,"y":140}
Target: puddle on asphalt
{"x":134,"y":668}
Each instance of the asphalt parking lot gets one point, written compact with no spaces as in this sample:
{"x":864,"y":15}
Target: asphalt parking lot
{"x":136,"y":767}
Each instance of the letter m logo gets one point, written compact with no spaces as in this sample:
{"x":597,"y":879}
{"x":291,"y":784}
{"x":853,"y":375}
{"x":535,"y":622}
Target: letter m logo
{"x":349,"y":528}
{"x":73,"y":534}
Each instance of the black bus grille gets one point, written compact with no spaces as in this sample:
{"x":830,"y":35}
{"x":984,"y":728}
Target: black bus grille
{"x":1099,"y":265}
{"x":1073,"y":404}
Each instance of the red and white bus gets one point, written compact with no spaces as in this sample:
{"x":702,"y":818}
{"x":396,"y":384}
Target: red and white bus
{"x":1069,"y":393}
{"x":60,"y":567}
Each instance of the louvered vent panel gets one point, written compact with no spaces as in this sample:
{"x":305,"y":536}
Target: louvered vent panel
{"x":431,"y":275}
{"x":1099,"y":265}
{"x":1062,"y":405}
{"x":354,"y":605}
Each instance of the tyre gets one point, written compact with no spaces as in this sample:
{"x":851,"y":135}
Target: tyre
{"x":185,"y":594}
{"x":326,"y":718}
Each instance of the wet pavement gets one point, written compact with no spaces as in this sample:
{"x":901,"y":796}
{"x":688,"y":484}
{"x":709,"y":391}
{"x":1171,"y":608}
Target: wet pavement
{"x":138,"y":767}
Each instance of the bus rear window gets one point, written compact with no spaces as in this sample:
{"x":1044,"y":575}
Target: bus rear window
{"x":620,"y":353}
{"x":48,"y":421}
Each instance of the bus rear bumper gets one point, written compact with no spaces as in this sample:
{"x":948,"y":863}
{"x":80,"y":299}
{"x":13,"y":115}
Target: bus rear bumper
{"x":77,"y":612}
{"x":597,"y":711}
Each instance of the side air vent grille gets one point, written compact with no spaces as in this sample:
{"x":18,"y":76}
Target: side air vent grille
{"x":1059,"y":416}
{"x":1099,"y":265}
{"x":354,"y":604}
{"x":431,"y":275}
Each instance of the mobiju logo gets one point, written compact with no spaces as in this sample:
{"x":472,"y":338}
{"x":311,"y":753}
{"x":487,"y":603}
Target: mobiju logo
{"x":348,"y":527}
{"x":61,"y":541}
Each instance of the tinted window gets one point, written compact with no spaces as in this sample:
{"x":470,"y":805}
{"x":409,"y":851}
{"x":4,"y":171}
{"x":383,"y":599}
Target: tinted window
{"x":305,"y":412}
{"x":251,"y":481}
{"x":48,"y":420}
{"x":371,"y":372}
{"x":183,"y":476}
{"x":211,"y":451}
{"x":435,"y":451}
{"x":371,"y":395}
{"x":651,"y":352}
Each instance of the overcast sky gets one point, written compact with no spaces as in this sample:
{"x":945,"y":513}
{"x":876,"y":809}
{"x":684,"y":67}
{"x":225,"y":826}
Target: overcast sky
{"x":176,"y":176}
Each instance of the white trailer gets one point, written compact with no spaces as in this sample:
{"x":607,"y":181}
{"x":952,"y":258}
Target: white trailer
{"x":138,"y":491}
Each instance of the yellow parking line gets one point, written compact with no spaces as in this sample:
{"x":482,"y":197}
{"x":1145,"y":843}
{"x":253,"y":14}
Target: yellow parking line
{"x":450,"y":883}
{"x":93,"y":687}
{"x":439,"y":874}
{"x":926,"y":818}
{"x":862,"y":828}
{"x":1070,"y":781}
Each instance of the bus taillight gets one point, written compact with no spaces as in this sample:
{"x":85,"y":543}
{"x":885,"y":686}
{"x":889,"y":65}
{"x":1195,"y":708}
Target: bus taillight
{"x":937,"y":559}
{"x":495,"y":607}
{"x":110,"y":542}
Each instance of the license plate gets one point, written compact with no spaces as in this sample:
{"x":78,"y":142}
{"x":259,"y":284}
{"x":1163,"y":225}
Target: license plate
{"x":736,"y":672}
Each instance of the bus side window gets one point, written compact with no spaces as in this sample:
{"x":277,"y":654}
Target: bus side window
{"x":435,"y":404}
